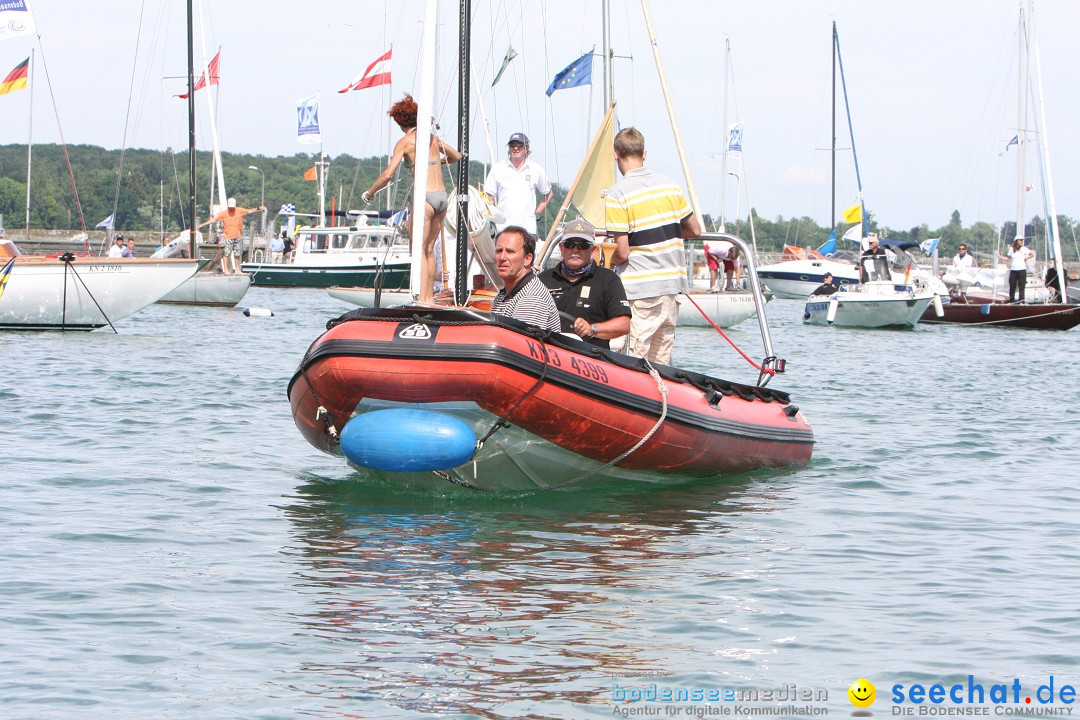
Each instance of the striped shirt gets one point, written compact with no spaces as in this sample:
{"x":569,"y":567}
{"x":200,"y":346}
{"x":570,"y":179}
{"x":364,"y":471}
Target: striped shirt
{"x":530,"y":301}
{"x":648,"y":208}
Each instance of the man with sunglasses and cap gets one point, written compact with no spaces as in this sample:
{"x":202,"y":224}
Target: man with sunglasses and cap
{"x":513,"y":185}
{"x":828,"y":287}
{"x":590,"y":298}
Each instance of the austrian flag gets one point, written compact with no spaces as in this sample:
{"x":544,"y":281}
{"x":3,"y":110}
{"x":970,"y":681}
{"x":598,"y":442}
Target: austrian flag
{"x":377,"y":73}
{"x":215,"y":66}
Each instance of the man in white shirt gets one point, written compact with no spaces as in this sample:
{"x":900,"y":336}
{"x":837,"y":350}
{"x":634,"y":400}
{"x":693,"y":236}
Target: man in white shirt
{"x":1018,"y":258}
{"x":117,"y":250}
{"x":962,"y":260}
{"x":513,"y":186}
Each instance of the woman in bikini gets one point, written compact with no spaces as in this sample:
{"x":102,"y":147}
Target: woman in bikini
{"x":404,"y":114}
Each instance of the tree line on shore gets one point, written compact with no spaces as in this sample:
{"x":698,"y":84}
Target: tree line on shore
{"x":152,"y":190}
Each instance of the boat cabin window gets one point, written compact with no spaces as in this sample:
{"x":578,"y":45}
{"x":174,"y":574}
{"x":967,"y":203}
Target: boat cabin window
{"x":339,"y":241}
{"x":357,"y":242}
{"x":876,"y":268}
{"x":314,"y":242}
{"x":401,"y":241}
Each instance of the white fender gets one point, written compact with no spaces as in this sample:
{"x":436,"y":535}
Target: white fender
{"x":938,"y":310}
{"x":830,"y":316}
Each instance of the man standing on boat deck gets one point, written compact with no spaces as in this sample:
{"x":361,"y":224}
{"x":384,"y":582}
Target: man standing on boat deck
{"x":1018,"y":257}
{"x":523,"y":296}
{"x":233,"y":219}
{"x":872,"y":251}
{"x":649,"y":217}
{"x":963,"y":261}
{"x":590,"y":298}
{"x":513,"y":185}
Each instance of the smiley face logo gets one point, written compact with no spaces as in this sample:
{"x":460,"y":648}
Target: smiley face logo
{"x":862,"y":693}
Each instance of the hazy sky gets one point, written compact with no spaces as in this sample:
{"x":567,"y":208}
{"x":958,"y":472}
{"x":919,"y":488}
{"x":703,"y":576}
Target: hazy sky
{"x":932,"y":85}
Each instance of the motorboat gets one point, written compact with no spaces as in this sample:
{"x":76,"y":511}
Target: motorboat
{"x":368,"y":253}
{"x":797,"y":279}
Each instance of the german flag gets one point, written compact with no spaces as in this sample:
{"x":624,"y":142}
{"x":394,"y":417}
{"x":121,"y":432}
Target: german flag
{"x":17,"y":79}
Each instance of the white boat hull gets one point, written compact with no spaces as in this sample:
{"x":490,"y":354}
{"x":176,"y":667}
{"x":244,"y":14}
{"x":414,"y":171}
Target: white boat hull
{"x":724,"y":309}
{"x":210,"y":288}
{"x":796,"y":279}
{"x":866,"y":310}
{"x":365,"y":297}
{"x":49,"y":294}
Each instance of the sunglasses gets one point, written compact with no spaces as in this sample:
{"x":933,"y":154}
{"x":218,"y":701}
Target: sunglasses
{"x":577,"y":245}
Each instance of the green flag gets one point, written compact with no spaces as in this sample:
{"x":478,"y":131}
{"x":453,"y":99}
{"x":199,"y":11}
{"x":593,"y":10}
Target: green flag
{"x":511,"y":53}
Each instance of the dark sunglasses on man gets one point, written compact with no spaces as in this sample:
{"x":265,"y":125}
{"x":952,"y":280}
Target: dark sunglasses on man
{"x":576,"y":244}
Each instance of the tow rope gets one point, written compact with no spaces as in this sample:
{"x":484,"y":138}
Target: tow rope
{"x":763,"y":370}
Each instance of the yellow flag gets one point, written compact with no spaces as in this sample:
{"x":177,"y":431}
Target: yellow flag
{"x":853,"y":214}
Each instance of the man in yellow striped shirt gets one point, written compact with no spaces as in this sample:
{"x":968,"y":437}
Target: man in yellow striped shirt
{"x":648,"y":217}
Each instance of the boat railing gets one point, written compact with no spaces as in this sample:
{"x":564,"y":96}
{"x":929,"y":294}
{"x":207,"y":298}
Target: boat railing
{"x":771,"y":361}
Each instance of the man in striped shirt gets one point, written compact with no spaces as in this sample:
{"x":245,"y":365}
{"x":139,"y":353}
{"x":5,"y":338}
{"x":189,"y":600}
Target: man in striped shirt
{"x":648,"y":217}
{"x":523,"y":296}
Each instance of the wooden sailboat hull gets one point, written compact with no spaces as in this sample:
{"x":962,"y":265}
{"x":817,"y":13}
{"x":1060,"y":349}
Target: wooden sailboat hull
{"x":1046,"y":316}
{"x":50,"y":294}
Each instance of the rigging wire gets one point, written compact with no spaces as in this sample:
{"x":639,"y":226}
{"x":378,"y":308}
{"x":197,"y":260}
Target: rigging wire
{"x":60,"y":130}
{"x":127,"y":112}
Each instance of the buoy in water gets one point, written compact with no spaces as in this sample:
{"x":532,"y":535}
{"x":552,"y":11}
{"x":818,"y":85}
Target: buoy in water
{"x":258,"y":312}
{"x":407,"y":440}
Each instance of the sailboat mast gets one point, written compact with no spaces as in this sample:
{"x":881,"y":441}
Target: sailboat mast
{"x":210,"y":111}
{"x":671,"y":113}
{"x":851,"y":128}
{"x":192,"y":224}
{"x":609,"y":79}
{"x":724,"y":152}
{"x":1020,"y":130}
{"x":425,"y":104}
{"x":462,"y":232}
{"x":29,"y":139}
{"x":835,"y":41}
{"x":1051,"y":210}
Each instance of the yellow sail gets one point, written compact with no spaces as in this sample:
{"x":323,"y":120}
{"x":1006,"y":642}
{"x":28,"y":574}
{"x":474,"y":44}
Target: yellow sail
{"x":594,"y":177}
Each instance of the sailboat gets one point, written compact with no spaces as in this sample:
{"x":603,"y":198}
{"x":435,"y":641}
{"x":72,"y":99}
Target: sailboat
{"x":879,"y":300}
{"x":79,"y":293}
{"x":967,"y":305}
{"x":421,"y":396}
{"x":209,"y":286}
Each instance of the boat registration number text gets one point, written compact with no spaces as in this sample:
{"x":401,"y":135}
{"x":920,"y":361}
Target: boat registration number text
{"x":582,"y":367}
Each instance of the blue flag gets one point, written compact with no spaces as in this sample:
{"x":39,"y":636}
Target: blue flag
{"x":576,"y":73}
{"x":929,"y":245}
{"x":307,"y":120}
{"x":830,"y":244}
{"x":107,"y":223}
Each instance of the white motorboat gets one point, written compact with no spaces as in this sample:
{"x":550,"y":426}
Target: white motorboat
{"x":85,"y":293}
{"x":796,"y":279}
{"x":880,"y":302}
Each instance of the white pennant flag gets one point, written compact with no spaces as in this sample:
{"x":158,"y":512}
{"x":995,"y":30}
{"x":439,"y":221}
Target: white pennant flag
{"x":16,"y":19}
